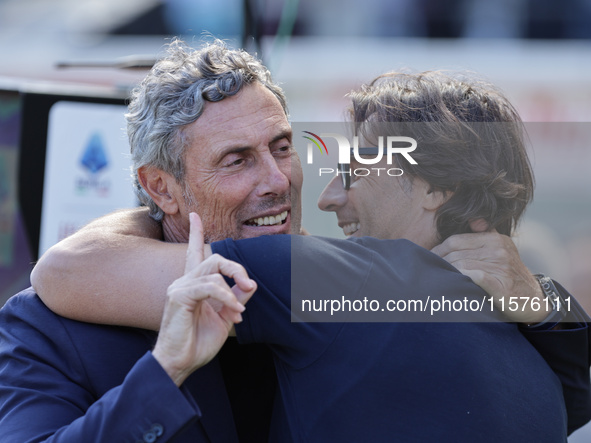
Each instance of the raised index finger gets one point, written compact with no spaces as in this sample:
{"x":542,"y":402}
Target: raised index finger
{"x":195,"y":248}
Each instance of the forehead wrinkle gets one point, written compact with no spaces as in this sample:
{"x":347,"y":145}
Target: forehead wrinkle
{"x":240,"y":127}
{"x":255,"y":136}
{"x":277,"y":128}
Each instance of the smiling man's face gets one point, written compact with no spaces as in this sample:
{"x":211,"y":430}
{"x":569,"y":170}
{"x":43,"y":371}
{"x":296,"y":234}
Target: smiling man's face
{"x":242,"y":175}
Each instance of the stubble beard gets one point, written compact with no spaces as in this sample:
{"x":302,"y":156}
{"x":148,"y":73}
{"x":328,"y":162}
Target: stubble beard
{"x":210,"y":235}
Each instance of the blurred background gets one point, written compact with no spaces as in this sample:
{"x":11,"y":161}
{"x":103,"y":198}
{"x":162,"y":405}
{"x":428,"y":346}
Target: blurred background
{"x":66,"y":67}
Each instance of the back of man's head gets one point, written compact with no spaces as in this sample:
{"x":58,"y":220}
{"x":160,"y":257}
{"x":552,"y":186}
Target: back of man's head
{"x":470,"y":143}
{"x":174,"y":94}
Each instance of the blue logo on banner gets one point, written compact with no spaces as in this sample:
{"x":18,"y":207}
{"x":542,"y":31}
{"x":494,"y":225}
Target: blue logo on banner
{"x":93,"y":160}
{"x":94,"y":157}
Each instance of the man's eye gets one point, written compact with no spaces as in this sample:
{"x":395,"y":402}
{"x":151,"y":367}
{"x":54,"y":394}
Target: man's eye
{"x":236,"y":162}
{"x":283,"y":149}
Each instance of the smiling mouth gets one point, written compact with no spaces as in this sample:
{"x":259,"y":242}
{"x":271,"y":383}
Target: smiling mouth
{"x":270,"y":220}
{"x":351,"y":228}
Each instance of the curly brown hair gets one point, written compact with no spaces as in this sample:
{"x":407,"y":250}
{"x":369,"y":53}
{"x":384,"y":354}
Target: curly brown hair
{"x":470,"y":143}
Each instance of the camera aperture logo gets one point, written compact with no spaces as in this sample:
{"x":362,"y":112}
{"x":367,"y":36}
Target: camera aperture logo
{"x":94,"y":160}
{"x":316,"y":143}
{"x":362,"y":155}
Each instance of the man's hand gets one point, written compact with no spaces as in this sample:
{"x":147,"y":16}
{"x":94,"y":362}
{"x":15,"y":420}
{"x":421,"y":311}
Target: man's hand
{"x":492,"y":261}
{"x":200,"y":309}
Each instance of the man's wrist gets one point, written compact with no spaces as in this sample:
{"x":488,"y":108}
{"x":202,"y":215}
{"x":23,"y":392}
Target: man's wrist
{"x":553,"y":298}
{"x":178,"y":376}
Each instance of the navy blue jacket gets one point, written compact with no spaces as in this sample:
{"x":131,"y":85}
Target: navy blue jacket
{"x":67,"y":381}
{"x":344,"y":379}
{"x":63,"y":380}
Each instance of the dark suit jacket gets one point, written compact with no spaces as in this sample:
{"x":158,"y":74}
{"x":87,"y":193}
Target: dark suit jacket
{"x":63,"y":380}
{"x":568,"y":352}
{"x":78,"y":382}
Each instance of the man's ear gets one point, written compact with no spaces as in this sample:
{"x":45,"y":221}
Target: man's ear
{"x":433,"y":199}
{"x":162,"y":187}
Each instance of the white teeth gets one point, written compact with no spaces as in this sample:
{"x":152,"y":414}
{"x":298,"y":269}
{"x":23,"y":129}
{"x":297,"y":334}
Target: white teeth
{"x":351,"y":228}
{"x":269,"y":220}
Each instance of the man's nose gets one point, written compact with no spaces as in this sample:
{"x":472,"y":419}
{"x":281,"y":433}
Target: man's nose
{"x":275,"y":178}
{"x":333,"y":197}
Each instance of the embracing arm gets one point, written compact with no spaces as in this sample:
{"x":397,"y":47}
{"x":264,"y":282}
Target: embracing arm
{"x":115,"y":270}
{"x":492,"y":261}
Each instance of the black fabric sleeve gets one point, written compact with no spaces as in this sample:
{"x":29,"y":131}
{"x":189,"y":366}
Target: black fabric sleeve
{"x":568,"y":352}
